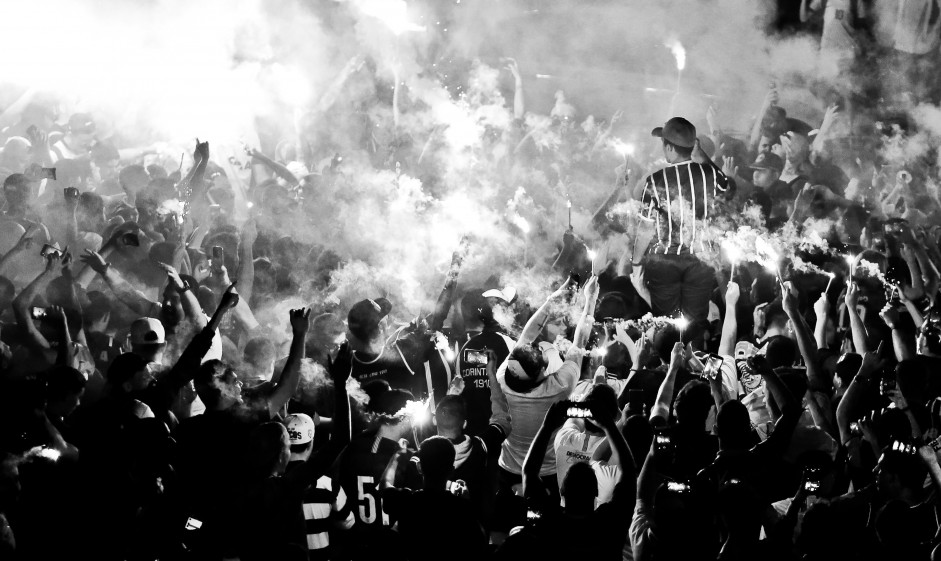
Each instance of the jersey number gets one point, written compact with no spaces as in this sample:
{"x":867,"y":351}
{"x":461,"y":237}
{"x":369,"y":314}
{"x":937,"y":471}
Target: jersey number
{"x":369,"y":503}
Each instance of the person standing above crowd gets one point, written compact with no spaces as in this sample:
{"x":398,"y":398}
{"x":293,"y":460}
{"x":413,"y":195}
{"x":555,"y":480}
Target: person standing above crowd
{"x":676,"y":198}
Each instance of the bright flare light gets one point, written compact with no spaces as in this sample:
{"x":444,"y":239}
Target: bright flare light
{"x":592,"y":254}
{"x":416,"y":412}
{"x":393,"y":13}
{"x":733,"y":252}
{"x":681,"y":323}
{"x":624,"y":148}
{"x":521,"y":223}
{"x":679,"y":53}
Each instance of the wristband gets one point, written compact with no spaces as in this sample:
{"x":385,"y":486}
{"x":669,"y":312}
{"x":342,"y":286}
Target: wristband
{"x":185,"y":288}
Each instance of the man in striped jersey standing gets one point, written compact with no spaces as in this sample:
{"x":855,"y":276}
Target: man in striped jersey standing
{"x":680,"y":198}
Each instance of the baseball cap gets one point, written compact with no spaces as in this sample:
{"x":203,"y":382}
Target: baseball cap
{"x":300,"y":428}
{"x":768,"y":161}
{"x":677,"y":131}
{"x":81,"y":123}
{"x":147,"y":331}
{"x":365,"y":315}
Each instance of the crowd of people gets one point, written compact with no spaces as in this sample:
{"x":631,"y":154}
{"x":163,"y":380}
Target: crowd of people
{"x":744,"y":367}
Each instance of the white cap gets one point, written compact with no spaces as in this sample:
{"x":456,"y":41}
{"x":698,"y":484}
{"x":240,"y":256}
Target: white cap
{"x":148,"y":331}
{"x":300,"y":428}
{"x":508,"y":294}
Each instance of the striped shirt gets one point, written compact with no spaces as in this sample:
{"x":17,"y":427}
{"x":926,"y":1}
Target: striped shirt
{"x":680,"y":198}
{"x":325,"y":509}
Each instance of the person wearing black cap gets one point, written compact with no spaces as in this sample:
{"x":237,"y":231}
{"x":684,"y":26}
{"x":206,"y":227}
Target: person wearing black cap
{"x":680,"y":198}
{"x":408,"y":362}
{"x":480,"y":356}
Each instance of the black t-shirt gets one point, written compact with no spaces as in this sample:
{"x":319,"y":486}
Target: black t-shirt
{"x":407,"y":364}
{"x":361,"y":468}
{"x":436,"y":524}
{"x":104,"y":349}
{"x":476,"y":392}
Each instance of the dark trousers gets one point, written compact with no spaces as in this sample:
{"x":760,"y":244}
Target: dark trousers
{"x":680,"y":283}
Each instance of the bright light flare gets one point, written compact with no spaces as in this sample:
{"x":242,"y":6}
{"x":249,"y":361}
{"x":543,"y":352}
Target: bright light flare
{"x":681,"y":322}
{"x":291,"y":83}
{"x":679,"y":53}
{"x":592,"y":254}
{"x":416,"y":412}
{"x":393,"y":13}
{"x":732,"y":251}
{"x":521,"y":223}
{"x":624,"y":148}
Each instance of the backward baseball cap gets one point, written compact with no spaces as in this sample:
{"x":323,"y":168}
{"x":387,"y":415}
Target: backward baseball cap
{"x":300,"y":428}
{"x":677,"y":131}
{"x":365,"y":315}
{"x":148,"y":331}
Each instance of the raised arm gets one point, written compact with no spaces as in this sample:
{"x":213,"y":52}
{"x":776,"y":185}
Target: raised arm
{"x":730,"y":322}
{"x":539,"y":319}
{"x":587,"y":320}
{"x":126,"y":293}
{"x":805,"y":341}
{"x":661,"y":409}
{"x":857,"y":327}
{"x":554,"y":418}
{"x":186,"y":366}
{"x":625,"y":486}
{"x":771,"y":99}
{"x":851,"y":406}
{"x":822,"y":313}
{"x":903,"y":349}
{"x":278,"y":169}
{"x":446,"y":298}
{"x":318,"y":464}
{"x":188,"y":300}
{"x":25,"y":298}
{"x":291,"y":375}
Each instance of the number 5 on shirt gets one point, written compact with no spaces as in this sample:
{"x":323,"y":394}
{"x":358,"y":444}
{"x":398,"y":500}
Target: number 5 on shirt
{"x":369,"y":503}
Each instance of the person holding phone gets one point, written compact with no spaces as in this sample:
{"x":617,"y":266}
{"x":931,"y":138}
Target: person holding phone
{"x":604,"y":527}
{"x":479,"y":358}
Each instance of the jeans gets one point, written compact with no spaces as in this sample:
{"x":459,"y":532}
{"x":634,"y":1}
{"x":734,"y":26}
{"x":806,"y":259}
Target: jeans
{"x":680,"y":283}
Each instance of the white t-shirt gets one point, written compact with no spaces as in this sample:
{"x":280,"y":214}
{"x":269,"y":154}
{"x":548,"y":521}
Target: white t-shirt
{"x":573,"y":446}
{"x":527,"y":411}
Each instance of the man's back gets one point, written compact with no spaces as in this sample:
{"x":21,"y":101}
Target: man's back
{"x":477,"y":389}
{"x":527,"y":411}
{"x":679,"y":198}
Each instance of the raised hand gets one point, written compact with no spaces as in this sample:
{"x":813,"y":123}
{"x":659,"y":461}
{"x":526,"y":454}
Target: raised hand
{"x":728,"y":166}
{"x":852,"y":295}
{"x":230,"y":298}
{"x":300,"y":321}
{"x":342,"y":366}
{"x":94,"y":260}
{"x":514,"y":69}
{"x":822,"y":306}
{"x":732,"y":294}
{"x":890,"y":316}
{"x":26,"y":240}
{"x":173,"y":275}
